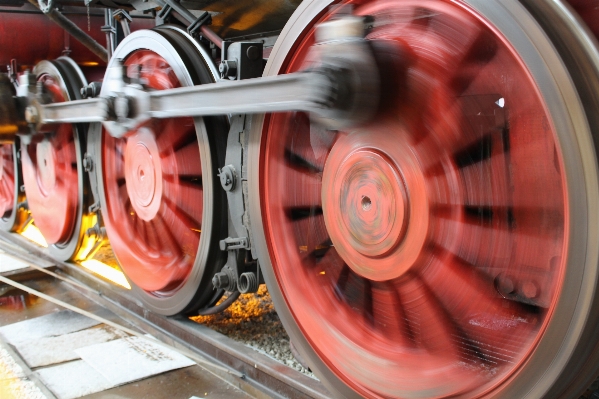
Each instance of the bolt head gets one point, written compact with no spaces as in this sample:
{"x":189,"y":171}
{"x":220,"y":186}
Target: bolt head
{"x":530,"y":290}
{"x":253,"y":53}
{"x":227,"y":177}
{"x":31,"y":115}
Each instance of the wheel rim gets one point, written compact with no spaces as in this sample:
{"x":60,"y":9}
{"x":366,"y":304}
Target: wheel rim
{"x":58,"y":189}
{"x":435,"y":166}
{"x":7,"y":181}
{"x":50,"y":172}
{"x":157,"y":189}
{"x":154,"y":162}
{"x":13,"y":216}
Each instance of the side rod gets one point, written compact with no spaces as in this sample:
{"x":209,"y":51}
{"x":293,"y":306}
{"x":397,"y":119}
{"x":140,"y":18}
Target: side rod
{"x":302,"y":91}
{"x":79,"y":111}
{"x":305,"y":91}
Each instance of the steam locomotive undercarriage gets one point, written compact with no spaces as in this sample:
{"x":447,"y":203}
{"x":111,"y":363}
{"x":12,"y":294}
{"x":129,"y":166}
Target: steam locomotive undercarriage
{"x":416,"y":182}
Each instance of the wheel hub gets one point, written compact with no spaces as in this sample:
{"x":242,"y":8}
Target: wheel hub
{"x":143,"y":174}
{"x":50,"y":170}
{"x":46,"y":166}
{"x":369,"y":196}
{"x":366,"y":207}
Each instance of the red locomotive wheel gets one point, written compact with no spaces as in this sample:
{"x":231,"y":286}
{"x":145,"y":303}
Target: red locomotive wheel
{"x":50,"y":174}
{"x":53,"y":171}
{"x":7,"y":184}
{"x":12,"y":215}
{"x":435,"y":251}
{"x":158,"y":185}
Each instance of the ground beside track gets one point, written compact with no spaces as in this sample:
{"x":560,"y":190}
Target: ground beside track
{"x":18,"y":381}
{"x":251,"y":320}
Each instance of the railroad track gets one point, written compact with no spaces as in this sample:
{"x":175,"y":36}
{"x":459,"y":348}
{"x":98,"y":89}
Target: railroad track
{"x":232,"y":362}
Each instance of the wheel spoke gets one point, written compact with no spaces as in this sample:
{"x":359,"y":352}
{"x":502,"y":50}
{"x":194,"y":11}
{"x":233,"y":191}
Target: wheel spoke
{"x":186,"y":198}
{"x":184,"y":161}
{"x":168,"y":144}
{"x":472,"y":301}
{"x":428,"y":326}
{"x":184,"y":230}
{"x":296,"y":161}
{"x":389,"y":314}
{"x":296,"y":213}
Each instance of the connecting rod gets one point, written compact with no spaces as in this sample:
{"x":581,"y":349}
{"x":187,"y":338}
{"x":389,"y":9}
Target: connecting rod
{"x":339,"y":88}
{"x":313,"y":92}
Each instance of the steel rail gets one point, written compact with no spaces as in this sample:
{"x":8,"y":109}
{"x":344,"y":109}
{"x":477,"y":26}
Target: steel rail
{"x":263,"y":377}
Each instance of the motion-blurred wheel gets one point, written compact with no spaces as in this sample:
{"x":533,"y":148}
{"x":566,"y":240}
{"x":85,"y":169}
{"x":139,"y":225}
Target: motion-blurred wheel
{"x":12,"y":217}
{"x":162,"y":205}
{"x":449,"y":247}
{"x":56,"y":184}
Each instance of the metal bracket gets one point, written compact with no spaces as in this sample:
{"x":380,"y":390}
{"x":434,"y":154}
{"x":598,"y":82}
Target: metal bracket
{"x":12,"y":72}
{"x":124,"y":19}
{"x":46,"y":5}
{"x":94,"y":208}
{"x":194,"y":27}
{"x":164,"y":14}
{"x":232,"y":177}
{"x":88,"y":163}
{"x":110,"y":29}
{"x":229,"y":243}
{"x":243,"y":61}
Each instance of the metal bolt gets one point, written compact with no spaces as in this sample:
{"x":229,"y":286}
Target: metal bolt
{"x":88,"y":163}
{"x":248,"y":282}
{"x":227,"y":69}
{"x":530,"y":290}
{"x":220,"y":280}
{"x":227,"y":177}
{"x":504,"y":285}
{"x":253,"y":53}
{"x":31,"y":115}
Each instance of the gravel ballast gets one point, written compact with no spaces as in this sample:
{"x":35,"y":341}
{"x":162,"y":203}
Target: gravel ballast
{"x":253,"y":321}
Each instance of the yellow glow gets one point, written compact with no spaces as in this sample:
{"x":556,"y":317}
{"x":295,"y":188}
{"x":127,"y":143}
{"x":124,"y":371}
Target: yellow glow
{"x":89,"y":241}
{"x":89,"y":63}
{"x":322,"y":273}
{"x":8,"y":129}
{"x":32,"y":233}
{"x":107,"y":272}
{"x":10,"y":383}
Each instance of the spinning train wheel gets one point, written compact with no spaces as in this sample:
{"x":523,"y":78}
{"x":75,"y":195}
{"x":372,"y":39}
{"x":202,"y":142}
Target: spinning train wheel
{"x":11,"y":217}
{"x":448,"y":248}
{"x":57,"y":186}
{"x":162,"y":206}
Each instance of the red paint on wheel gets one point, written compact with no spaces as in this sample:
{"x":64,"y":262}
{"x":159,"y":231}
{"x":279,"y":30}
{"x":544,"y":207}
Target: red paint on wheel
{"x":153,"y":188}
{"x":7,"y":180}
{"x":393,"y":243}
{"x":49,"y":165}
